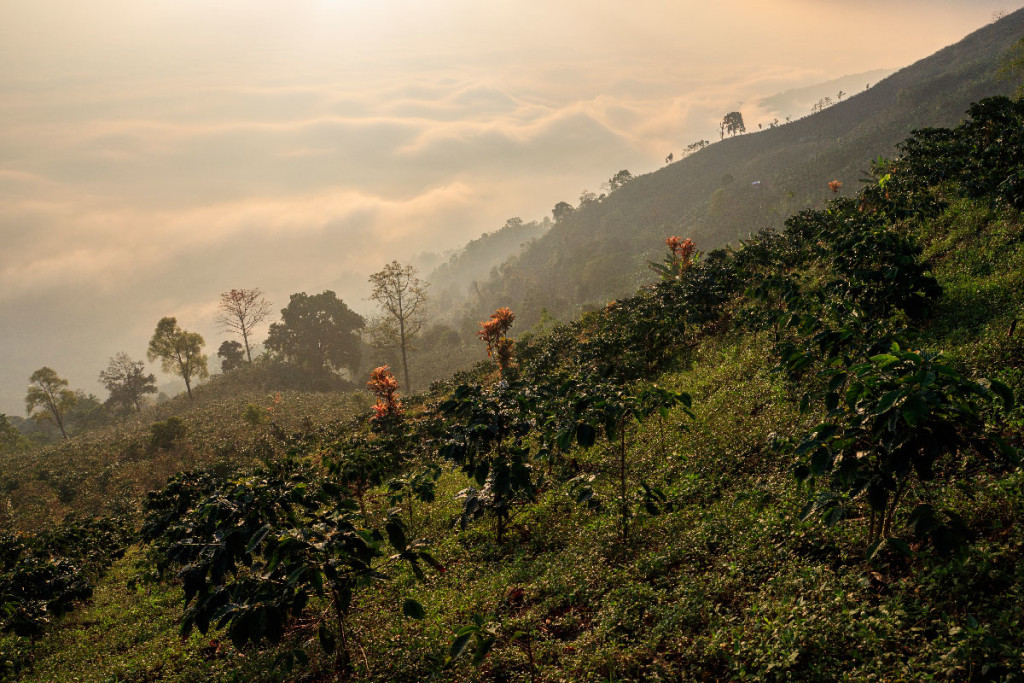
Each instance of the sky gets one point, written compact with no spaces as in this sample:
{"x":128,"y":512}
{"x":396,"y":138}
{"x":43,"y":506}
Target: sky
{"x":155,"y":154}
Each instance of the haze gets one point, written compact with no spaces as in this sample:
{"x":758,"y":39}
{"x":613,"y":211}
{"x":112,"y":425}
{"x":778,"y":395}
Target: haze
{"x":154,"y":154}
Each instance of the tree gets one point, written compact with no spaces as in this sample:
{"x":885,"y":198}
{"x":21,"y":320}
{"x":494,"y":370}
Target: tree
{"x":318,"y":333}
{"x":619,"y":179}
{"x":127,"y":382}
{"x":49,"y":393}
{"x":87,"y":413}
{"x":232,"y":355}
{"x":402,"y":297}
{"x":696,"y":146}
{"x":562,"y":211}
{"x":180,"y":352}
{"x":10,"y":438}
{"x":240,"y":311}
{"x":732,"y":123}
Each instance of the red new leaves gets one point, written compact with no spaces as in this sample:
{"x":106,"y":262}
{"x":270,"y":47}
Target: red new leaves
{"x":495,"y":333}
{"x":682,"y":251}
{"x":385,"y":387}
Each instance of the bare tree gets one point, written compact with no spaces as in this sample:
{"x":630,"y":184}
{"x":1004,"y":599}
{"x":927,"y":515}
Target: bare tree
{"x":402,"y":297}
{"x":240,"y":311}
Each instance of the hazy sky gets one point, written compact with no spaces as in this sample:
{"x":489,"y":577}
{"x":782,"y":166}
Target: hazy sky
{"x":155,"y":153}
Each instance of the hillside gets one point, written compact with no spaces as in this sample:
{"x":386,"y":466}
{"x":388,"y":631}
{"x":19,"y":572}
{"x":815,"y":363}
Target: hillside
{"x":798,"y":459}
{"x":600,"y":251}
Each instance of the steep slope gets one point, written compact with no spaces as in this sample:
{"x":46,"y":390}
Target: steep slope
{"x":600,"y":250}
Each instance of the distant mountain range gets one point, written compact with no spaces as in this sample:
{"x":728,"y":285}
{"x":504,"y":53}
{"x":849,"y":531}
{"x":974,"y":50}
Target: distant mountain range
{"x":726,"y":191}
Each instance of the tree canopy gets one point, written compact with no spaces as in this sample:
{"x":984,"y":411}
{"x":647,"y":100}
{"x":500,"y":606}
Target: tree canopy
{"x":49,"y":399}
{"x":319,"y":333}
{"x":232,"y":355}
{"x":180,"y":351}
{"x":127,"y":382}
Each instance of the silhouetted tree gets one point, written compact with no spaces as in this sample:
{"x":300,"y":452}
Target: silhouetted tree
{"x":318,"y":333}
{"x":180,"y":352}
{"x":49,"y":399}
{"x":127,"y":382}
{"x":232,"y":355}
{"x":402,"y":298}
{"x":561,"y":211}
{"x":240,"y":311}
{"x":696,"y":146}
{"x":732,"y":124}
{"x":619,"y":179}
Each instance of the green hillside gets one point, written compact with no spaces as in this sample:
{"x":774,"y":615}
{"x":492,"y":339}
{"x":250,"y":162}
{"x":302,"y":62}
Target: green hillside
{"x":795,"y":459}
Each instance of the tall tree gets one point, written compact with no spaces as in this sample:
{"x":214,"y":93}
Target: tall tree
{"x":240,"y":311}
{"x":402,"y":298}
{"x":127,"y":382}
{"x":732,"y":123}
{"x":48,"y":398}
{"x":318,"y":333}
{"x":180,"y":351}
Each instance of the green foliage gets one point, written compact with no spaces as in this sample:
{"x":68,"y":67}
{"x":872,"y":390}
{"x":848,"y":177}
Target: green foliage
{"x":10,"y":438}
{"x":253,"y":552}
{"x":900,"y":424}
{"x":167,"y":433}
{"x":44,"y":575}
{"x":254,"y":414}
{"x":486,"y":436}
{"x":232,"y":355}
{"x":318,"y":334}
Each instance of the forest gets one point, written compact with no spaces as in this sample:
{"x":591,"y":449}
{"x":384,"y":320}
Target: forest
{"x":794,"y":457}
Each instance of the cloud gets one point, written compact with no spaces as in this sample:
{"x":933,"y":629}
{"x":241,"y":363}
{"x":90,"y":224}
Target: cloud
{"x":155,"y":154}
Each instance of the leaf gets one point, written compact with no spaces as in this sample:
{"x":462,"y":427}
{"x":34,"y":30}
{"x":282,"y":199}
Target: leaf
{"x":483,"y":647}
{"x":460,"y":643}
{"x":413,"y":609}
{"x":586,"y":435}
{"x":1004,"y":392}
{"x":885,"y":360}
{"x":396,"y":535}
{"x":834,"y":515}
{"x":837,"y":381}
{"x":900,"y":546}
{"x":257,"y":538}
{"x":887,"y":401}
{"x":915,"y":409}
{"x":327,"y":641}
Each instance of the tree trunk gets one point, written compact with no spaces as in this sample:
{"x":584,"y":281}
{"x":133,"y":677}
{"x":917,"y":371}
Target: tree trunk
{"x":245,"y":338}
{"x":405,"y":362}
